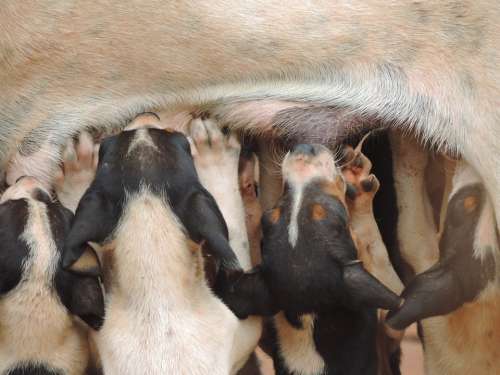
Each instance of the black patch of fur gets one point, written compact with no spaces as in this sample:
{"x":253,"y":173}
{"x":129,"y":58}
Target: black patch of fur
{"x":32,"y":369}
{"x":13,"y":249}
{"x":168,"y":171}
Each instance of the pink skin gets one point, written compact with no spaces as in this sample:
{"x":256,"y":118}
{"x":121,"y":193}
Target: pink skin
{"x":23,"y":188}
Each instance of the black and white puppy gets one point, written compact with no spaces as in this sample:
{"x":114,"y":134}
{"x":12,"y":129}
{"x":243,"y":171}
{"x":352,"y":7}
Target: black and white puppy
{"x":311,"y":272}
{"x":145,"y":215}
{"x":37,"y":333}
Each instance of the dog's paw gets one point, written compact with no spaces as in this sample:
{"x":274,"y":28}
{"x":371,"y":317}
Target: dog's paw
{"x":78,"y":169}
{"x":212,"y":148}
{"x":216,"y":157}
{"x":361,"y":185}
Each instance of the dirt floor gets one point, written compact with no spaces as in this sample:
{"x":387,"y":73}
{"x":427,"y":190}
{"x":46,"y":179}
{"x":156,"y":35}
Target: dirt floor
{"x":412,"y":361}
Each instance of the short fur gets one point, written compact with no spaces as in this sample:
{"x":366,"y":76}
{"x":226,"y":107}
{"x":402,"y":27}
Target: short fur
{"x":37,"y":333}
{"x":144,"y":209}
{"x":426,"y":66}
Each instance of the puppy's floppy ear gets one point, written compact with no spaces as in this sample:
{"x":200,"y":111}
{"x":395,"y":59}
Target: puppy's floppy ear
{"x":94,"y":220}
{"x":88,"y":263}
{"x":82,"y":296}
{"x":366,"y":289}
{"x":204,"y":221}
{"x":248,"y":295}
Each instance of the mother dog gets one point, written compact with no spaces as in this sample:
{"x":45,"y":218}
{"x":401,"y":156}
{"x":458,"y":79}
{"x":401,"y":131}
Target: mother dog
{"x":428,"y":66}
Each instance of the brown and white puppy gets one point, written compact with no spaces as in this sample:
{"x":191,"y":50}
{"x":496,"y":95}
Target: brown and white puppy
{"x":145,"y":213}
{"x":38,"y":335}
{"x":461,"y":286}
{"x":311,"y":273}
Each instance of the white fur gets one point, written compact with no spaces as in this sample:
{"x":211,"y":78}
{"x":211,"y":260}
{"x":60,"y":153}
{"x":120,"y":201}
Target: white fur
{"x":293,"y":227}
{"x":297,"y":346}
{"x":141,"y":137}
{"x":161,"y":317}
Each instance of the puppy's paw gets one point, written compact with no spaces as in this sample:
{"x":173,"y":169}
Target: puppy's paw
{"x":78,"y":170}
{"x":361,"y":185}
{"x":212,"y":148}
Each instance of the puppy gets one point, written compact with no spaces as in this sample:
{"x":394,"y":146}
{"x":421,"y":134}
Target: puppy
{"x":457,"y":298}
{"x":216,"y":160}
{"x":37,"y":333}
{"x":311,"y":272}
{"x":146,"y":215}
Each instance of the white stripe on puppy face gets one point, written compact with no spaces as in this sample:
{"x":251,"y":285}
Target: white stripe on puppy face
{"x":299,"y":169}
{"x":293,"y":228}
{"x":142,"y":137}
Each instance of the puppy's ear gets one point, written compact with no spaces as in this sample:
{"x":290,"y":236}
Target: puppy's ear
{"x":248,"y":295}
{"x":94,"y":220}
{"x":365,"y":289}
{"x":88,"y":264}
{"x":82,"y":296}
{"x":204,"y":221}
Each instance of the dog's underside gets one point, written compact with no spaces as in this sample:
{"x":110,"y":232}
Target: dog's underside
{"x":309,"y":70}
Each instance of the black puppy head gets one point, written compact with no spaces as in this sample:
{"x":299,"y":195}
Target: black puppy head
{"x":161,"y":162}
{"x":309,"y":257}
{"x":460,"y":275}
{"x":33,"y":226}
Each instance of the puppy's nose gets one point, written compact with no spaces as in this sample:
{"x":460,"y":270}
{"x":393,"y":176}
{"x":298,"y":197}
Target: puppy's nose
{"x":304,"y":149}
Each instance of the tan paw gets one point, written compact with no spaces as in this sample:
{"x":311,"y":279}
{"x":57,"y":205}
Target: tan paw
{"x":361,"y":185}
{"x":210,"y":145}
{"x":78,"y":169}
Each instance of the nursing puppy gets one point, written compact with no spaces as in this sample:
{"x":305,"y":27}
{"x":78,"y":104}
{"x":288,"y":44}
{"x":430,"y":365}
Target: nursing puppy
{"x":216,"y":158}
{"x":145,"y":215}
{"x":37,"y":333}
{"x":311,"y":272}
{"x":458,"y":298}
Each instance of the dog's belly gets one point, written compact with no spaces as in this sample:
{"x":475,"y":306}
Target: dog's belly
{"x":429,"y":65}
